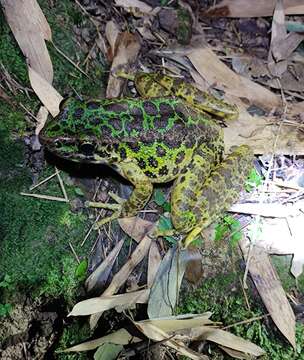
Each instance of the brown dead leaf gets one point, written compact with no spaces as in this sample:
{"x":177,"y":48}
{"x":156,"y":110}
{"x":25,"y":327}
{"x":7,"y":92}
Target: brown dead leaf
{"x":136,"y":7}
{"x":120,"y":336}
{"x":215,"y":72}
{"x":153,"y":263}
{"x":102,"y":303}
{"x":120,"y":278}
{"x":135,"y":227}
{"x":277,"y":66}
{"x":112,"y":32}
{"x":49,"y":97}
{"x":260,"y":133}
{"x":257,"y":8}
{"x":127,"y":50}
{"x":41,"y":118}
{"x":270,"y":289}
{"x":156,"y":334}
{"x":101,"y":273}
{"x":30,"y":29}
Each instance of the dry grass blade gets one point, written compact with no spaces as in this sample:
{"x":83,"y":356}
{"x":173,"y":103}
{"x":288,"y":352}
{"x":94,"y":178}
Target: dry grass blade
{"x":30,"y":29}
{"x":45,"y":197}
{"x":120,"y":336}
{"x":102,"y":303}
{"x":153,"y":263}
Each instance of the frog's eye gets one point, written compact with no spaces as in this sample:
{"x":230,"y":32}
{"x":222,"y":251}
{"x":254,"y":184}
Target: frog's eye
{"x":87,"y":149}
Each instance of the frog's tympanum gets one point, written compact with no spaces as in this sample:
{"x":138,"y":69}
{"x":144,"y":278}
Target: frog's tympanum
{"x":155,"y":141}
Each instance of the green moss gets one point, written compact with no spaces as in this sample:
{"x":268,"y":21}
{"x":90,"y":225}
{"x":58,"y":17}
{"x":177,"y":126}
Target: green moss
{"x":223,"y":297}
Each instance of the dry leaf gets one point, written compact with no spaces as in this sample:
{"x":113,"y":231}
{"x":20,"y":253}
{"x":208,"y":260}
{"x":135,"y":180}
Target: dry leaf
{"x":102,"y":303}
{"x":140,"y":6}
{"x":257,"y":8}
{"x":120,"y":278}
{"x":49,"y":97}
{"x":112,"y":32}
{"x":277,"y":66}
{"x":41,"y":118}
{"x":30,"y":29}
{"x":153,"y":263}
{"x":135,"y":227}
{"x":215,"y":72}
{"x":127,"y":50}
{"x":156,"y":334}
{"x":270,"y":290}
{"x":120,"y":336}
{"x":100,"y":275}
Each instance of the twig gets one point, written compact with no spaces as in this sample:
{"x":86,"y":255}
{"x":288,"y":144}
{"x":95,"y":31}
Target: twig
{"x":43,"y":181}
{"x":45,"y":197}
{"x":246,"y":321}
{"x":74,"y":252}
{"x":62,"y":185}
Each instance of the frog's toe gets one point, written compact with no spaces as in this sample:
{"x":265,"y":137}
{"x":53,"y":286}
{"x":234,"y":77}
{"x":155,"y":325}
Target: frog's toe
{"x":102,"y":205}
{"x":191,"y":236}
{"x":114,"y":216}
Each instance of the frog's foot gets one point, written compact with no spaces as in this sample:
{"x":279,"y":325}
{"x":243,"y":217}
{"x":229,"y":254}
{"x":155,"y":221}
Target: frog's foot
{"x":125,"y":75}
{"x":116,"y":208}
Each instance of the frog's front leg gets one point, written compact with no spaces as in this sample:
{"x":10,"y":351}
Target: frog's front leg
{"x":141,"y":194}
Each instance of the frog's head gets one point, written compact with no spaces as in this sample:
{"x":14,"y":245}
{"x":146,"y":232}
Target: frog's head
{"x":63,"y":135}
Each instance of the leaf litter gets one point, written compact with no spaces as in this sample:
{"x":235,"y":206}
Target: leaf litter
{"x":244,"y":79}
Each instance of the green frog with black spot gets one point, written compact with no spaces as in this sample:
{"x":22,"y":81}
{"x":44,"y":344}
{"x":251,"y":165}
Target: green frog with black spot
{"x":155,"y":140}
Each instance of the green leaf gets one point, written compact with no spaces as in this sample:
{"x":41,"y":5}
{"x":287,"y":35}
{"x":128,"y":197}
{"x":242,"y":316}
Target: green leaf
{"x":166,"y":224}
{"x":167,"y":207}
{"x":108,"y":351}
{"x":5,"y":309}
{"x":78,"y":191}
{"x":254,"y":179}
{"x":81,"y":270}
{"x":159,"y":197}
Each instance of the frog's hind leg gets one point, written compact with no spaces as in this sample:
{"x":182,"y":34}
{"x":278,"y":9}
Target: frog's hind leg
{"x":141,"y":194}
{"x":188,"y":187}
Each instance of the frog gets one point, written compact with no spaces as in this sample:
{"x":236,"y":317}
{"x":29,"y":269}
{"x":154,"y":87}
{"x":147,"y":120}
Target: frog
{"x":153,"y":141}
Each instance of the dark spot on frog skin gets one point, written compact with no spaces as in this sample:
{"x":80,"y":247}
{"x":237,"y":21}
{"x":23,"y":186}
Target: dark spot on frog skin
{"x":78,"y":113}
{"x":134,"y":146}
{"x":135,"y":124}
{"x":175,"y":171}
{"x":150,"y":108}
{"x":116,"y":123}
{"x":150,"y":174}
{"x":190,"y":142}
{"x":179,"y":157}
{"x":141,"y":163}
{"x":87,"y":149}
{"x":123,"y":153}
{"x":160,"y":151}
{"x":136,"y":111}
{"x":153,"y":162}
{"x":161,"y":121}
{"x":93,"y":105}
{"x":163,"y":170}
{"x":94,"y":121}
{"x":182,"y":179}
{"x":116,"y":107}
{"x":165,"y":109}
{"x":190,"y":194}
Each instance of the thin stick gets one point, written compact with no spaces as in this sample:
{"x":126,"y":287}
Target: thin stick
{"x":74,"y":252}
{"x":246,"y":321}
{"x":70,"y":61}
{"x":62,"y":185}
{"x":45,"y":197}
{"x":43,"y":181}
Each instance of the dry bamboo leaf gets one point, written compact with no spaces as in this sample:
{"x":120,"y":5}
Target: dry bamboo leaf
{"x":120,"y":336}
{"x":112,"y":33}
{"x":49,"y":97}
{"x":153,"y":263}
{"x":236,"y":354}
{"x":127,"y":50}
{"x":156,"y":334}
{"x":100,"y":274}
{"x":216,"y":72}
{"x":102,"y":303}
{"x":135,"y":227}
{"x":277,"y":66}
{"x":41,"y":119}
{"x":176,"y":323}
{"x":257,"y":8}
{"x":270,"y":290}
{"x":120,"y":278}
{"x":227,"y":339}
{"x":30,"y":29}
{"x":134,"y":4}
{"x":258,"y":132}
